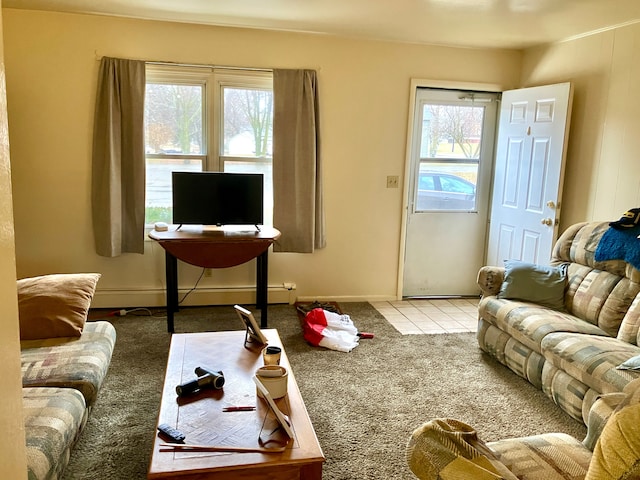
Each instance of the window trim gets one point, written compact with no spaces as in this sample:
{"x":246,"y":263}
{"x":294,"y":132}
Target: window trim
{"x":172,"y":75}
{"x":224,"y":78}
{"x":213,"y":80}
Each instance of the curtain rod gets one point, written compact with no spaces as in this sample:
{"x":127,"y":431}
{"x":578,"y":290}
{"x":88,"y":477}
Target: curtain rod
{"x":197,"y":65}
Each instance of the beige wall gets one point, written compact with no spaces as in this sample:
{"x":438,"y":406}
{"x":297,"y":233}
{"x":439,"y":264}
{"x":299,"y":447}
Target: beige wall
{"x":13,"y":458}
{"x":364,"y":96}
{"x":51,"y":72}
{"x":603,"y":159}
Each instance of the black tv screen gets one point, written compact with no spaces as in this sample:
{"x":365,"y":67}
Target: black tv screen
{"x":217,"y":198}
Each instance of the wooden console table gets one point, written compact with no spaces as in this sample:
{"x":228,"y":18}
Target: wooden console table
{"x":215,"y":247}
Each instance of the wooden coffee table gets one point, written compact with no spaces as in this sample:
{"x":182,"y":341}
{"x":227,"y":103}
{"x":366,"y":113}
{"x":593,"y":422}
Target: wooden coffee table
{"x":201,"y":419}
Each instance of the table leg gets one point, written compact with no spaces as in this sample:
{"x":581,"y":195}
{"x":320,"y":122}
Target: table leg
{"x":171,"y":267}
{"x":311,"y":471}
{"x":262,"y":286}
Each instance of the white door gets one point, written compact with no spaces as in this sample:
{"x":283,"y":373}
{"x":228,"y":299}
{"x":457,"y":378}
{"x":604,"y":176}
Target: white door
{"x":451,"y":157}
{"x":529,"y":170}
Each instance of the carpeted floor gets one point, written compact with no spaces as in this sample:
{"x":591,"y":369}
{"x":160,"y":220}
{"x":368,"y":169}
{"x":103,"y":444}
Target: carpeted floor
{"x":363,"y":404}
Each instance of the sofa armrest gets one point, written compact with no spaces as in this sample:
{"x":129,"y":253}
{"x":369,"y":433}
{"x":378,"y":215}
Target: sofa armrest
{"x":490,"y":280}
{"x":599,"y":414}
{"x":605,"y":406}
{"x":617,"y":451}
{"x":446,"y":448}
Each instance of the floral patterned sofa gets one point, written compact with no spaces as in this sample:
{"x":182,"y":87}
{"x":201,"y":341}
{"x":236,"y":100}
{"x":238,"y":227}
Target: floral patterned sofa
{"x":64,"y":362}
{"x":567,"y":328}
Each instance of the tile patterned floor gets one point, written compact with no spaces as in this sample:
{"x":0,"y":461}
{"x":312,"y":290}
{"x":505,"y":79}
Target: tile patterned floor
{"x":419,"y":316}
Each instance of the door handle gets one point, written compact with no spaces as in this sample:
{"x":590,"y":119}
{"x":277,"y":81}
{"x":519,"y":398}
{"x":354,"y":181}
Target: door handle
{"x":547,"y":221}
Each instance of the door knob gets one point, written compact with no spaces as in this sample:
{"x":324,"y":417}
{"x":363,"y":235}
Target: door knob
{"x":551,"y":204}
{"x":547,"y":221}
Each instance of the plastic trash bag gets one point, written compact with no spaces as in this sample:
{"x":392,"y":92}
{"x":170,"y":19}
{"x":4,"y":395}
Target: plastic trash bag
{"x":330,"y":330}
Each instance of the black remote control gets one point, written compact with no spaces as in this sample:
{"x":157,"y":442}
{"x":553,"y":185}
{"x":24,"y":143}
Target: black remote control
{"x":174,"y":436}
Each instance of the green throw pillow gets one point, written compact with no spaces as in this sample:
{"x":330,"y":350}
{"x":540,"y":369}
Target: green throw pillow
{"x":541,"y":284}
{"x":632,"y":364}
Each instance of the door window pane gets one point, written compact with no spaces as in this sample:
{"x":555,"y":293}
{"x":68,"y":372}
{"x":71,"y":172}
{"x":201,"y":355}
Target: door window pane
{"x":451,"y":131}
{"x":450,"y":145}
{"x":447,"y":187}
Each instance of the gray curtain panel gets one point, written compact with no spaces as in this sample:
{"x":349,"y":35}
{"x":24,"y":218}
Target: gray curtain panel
{"x":297,"y":175}
{"x":118,"y":176}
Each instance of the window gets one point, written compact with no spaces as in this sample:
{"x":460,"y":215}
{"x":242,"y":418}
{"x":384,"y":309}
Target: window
{"x":205,"y":119}
{"x":450,"y":146}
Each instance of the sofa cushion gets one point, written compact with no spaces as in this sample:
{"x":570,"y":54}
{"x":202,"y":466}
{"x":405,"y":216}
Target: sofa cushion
{"x":578,"y":244}
{"x":599,"y":297}
{"x":529,"y":323}
{"x":598,"y":292}
{"x":630,"y":327}
{"x":53,"y":419}
{"x":76,"y":362}
{"x":544,"y":457}
{"x":592,"y":360}
{"x":55,"y":305}
{"x":540,"y":284}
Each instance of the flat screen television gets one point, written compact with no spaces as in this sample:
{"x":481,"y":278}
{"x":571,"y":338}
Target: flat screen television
{"x":217,"y":198}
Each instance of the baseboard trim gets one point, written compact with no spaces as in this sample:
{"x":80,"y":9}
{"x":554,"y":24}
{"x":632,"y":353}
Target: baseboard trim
{"x":348,"y":298}
{"x":156,"y":297}
{"x":116,"y":298}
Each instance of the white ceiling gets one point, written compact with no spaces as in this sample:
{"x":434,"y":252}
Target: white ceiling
{"x":472,"y":23}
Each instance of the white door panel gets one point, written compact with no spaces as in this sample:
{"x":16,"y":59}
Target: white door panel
{"x":529,"y":169}
{"x":506,"y":241}
{"x":531,"y":241}
{"x":511,"y":171}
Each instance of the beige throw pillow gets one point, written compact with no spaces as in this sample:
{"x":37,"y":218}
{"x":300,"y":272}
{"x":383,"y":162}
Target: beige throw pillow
{"x":55,"y":305}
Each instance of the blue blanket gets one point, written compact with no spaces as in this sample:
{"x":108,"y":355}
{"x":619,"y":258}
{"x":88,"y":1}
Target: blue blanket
{"x":620,"y":245}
